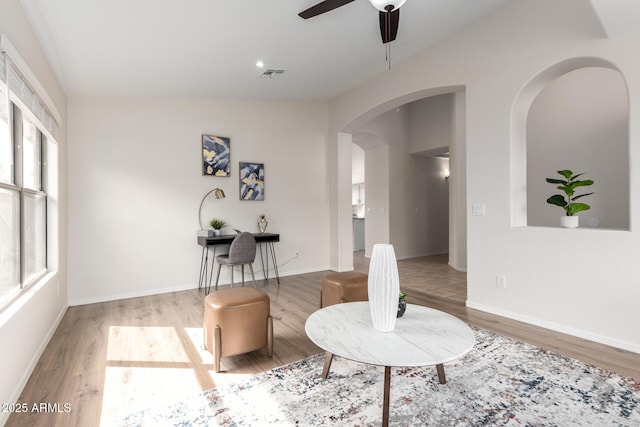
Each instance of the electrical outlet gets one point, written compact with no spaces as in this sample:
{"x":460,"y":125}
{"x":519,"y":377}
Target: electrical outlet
{"x":478,"y":210}
{"x":501,"y":281}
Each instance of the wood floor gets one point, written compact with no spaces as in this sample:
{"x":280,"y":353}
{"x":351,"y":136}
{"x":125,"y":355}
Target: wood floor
{"x":431,"y":275}
{"x":110,"y":359}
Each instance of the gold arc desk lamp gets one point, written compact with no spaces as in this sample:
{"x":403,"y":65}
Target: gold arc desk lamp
{"x":218,"y":193}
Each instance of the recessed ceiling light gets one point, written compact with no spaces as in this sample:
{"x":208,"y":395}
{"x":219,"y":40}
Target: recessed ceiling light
{"x":259,"y":64}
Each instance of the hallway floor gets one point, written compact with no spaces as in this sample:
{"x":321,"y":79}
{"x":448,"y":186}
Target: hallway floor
{"x":431,"y":275}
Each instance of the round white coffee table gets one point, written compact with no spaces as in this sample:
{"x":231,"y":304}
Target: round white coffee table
{"x":422,"y":337}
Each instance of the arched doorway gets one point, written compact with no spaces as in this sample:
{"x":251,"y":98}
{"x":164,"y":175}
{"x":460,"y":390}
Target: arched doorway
{"x":399,"y":206}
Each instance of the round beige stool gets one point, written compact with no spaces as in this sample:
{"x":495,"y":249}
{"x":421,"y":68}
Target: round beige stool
{"x":347,"y":286}
{"x":237,"y":321}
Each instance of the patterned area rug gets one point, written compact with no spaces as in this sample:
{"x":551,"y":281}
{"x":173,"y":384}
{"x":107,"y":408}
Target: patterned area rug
{"x":501,"y":382}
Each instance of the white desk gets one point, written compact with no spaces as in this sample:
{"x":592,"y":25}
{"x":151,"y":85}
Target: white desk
{"x":422,"y":337}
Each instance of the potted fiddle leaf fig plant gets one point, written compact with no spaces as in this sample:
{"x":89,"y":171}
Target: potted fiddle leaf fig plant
{"x":567,"y":202}
{"x":217,"y":225}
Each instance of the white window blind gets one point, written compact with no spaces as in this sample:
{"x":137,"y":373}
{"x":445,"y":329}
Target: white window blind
{"x":19,"y":85}
{"x":3,"y":68}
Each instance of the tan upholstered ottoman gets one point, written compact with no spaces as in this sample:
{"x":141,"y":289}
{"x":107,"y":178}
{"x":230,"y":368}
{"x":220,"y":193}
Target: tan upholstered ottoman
{"x":347,"y":286}
{"x":237,"y":321}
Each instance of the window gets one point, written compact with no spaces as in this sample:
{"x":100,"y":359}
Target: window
{"x":6,"y":152}
{"x":28,"y":129}
{"x":23,"y":200}
{"x":34,"y":201}
{"x":9,"y":205}
{"x":10,"y":248}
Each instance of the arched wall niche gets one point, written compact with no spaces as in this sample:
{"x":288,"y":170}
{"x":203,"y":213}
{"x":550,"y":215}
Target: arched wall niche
{"x":573,"y":115}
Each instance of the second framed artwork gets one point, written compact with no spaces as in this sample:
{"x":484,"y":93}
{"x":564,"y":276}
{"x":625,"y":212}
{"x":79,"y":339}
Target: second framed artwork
{"x":251,"y":181}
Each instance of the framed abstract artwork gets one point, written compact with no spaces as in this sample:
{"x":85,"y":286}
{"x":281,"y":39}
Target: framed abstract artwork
{"x":251,"y":181}
{"x":216,"y":155}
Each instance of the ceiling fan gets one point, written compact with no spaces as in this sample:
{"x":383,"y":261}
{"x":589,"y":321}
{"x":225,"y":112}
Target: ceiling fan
{"x":389,"y":14}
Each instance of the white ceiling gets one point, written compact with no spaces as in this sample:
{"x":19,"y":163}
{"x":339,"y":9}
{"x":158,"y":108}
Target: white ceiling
{"x":209,"y":48}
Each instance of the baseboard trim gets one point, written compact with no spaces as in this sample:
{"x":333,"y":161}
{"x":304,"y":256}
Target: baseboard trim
{"x":421,"y":255}
{"x":580,"y":333}
{"x":461,"y":270}
{"x":142,"y":293}
{"x":4,"y":416}
{"x":185,"y":287}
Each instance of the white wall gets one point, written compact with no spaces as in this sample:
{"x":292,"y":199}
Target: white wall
{"x":407,"y":200}
{"x":436,"y":126}
{"x":458,"y":184}
{"x":27,"y":324}
{"x":430,"y":123}
{"x":376,"y":225}
{"x":135,"y":184}
{"x":419,"y":202}
{"x":591,"y":290}
{"x":427,"y":211}
{"x":357,"y":180}
{"x":580,"y":121}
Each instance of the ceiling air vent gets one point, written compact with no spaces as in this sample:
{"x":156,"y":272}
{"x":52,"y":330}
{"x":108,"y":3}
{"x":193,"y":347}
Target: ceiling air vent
{"x":272,"y":73}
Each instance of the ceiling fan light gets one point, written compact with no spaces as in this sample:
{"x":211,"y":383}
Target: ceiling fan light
{"x":382,"y":5}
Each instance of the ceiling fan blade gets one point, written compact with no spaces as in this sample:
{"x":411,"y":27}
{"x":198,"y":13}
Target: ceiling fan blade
{"x":389,"y":25}
{"x":322,"y":7}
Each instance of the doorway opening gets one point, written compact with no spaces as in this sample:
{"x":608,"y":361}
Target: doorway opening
{"x":411,"y":191}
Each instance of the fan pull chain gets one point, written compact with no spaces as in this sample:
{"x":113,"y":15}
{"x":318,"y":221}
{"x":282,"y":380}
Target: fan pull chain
{"x":389,"y":54}
{"x":387,"y":24}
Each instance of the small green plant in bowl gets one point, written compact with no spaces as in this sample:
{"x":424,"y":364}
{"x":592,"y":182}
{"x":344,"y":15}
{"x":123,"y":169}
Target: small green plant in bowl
{"x":217,"y":225}
{"x":402,"y":303}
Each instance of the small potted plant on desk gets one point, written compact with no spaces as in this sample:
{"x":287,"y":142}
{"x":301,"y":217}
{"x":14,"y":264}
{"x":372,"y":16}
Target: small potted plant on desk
{"x":402,"y":304}
{"x":217,"y":225}
{"x":568,"y":186}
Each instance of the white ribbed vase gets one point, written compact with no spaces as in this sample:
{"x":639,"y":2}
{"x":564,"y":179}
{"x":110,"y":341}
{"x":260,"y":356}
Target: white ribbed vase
{"x":384,"y":287}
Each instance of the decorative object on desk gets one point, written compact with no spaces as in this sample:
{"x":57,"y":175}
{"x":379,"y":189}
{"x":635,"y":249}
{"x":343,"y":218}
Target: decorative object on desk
{"x":402,"y":304}
{"x":216,"y":155}
{"x":217,"y":225}
{"x":205,"y":232}
{"x":262,"y":223}
{"x":251,"y":181}
{"x":568,"y":186}
{"x":218,"y":193}
{"x":383,"y":287}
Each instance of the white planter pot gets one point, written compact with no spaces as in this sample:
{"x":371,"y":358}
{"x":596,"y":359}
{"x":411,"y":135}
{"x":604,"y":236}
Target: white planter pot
{"x":569,"y":221}
{"x":217,"y":232}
